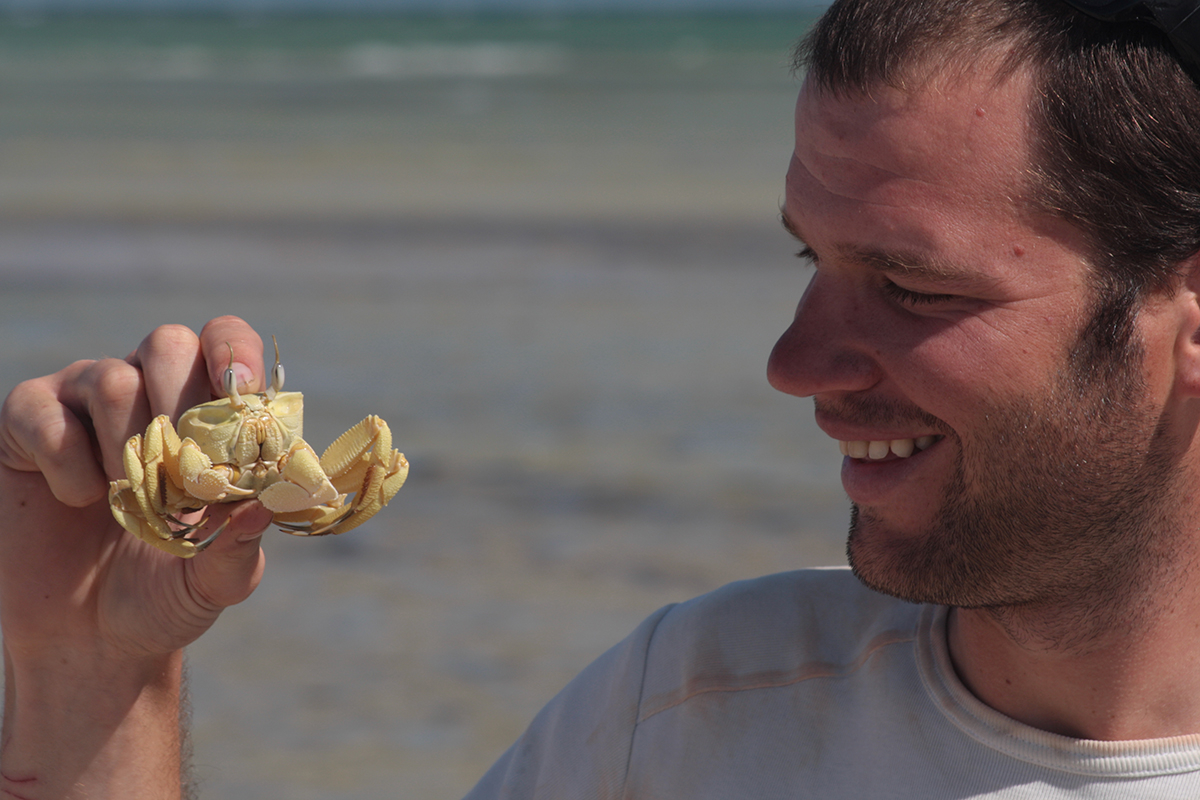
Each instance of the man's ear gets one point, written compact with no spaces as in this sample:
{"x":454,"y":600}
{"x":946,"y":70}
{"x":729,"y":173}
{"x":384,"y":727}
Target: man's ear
{"x":1187,"y":345}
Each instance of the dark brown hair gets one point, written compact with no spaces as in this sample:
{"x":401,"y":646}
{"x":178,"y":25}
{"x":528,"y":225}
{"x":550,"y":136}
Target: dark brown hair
{"x":1115,"y":119}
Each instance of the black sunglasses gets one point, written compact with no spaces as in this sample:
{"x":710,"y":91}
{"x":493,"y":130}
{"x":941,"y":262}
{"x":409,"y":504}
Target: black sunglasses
{"x":1177,"y":18}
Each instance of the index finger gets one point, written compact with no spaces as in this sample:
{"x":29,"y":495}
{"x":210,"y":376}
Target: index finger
{"x":230,"y":342}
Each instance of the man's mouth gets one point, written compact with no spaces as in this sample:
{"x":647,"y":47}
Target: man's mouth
{"x":881,"y":449}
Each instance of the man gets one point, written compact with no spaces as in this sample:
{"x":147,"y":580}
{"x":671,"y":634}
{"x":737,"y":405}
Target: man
{"x":1002,"y":201}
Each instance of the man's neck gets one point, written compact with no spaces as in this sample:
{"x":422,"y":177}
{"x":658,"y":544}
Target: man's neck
{"x":1133,"y":680}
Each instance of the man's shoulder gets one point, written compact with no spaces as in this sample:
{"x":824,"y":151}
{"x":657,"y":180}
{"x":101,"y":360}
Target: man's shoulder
{"x":724,"y":673}
{"x":776,"y":628}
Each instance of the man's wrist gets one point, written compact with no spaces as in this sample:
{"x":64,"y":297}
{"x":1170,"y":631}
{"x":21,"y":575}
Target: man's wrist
{"x":78,"y":724}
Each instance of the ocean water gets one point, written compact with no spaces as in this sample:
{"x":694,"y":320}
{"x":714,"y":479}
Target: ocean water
{"x":546,"y":250}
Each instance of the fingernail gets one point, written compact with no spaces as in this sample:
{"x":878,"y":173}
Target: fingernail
{"x":246,"y":381}
{"x":254,"y":516}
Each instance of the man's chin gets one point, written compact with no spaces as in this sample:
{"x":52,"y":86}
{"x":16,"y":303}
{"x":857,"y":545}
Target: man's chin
{"x":905,"y":565}
{"x":866,"y":553}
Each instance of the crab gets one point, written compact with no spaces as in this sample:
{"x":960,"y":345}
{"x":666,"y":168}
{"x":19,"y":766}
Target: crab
{"x":245,"y":446}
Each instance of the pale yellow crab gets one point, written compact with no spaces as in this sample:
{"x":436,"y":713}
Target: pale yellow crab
{"x":250,"y":445}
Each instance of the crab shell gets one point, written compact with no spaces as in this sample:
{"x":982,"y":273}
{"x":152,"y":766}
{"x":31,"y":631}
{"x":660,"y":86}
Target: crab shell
{"x":250,"y":446}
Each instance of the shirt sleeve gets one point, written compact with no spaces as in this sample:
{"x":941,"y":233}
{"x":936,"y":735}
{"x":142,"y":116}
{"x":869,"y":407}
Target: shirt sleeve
{"x":578,"y":747}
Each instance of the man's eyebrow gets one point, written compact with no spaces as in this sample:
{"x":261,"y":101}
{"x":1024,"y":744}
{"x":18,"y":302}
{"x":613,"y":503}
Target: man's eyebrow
{"x":915,"y":265}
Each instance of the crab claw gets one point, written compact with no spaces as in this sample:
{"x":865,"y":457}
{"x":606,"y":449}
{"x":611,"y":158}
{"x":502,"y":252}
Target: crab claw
{"x":362,"y":463}
{"x":302,"y":485}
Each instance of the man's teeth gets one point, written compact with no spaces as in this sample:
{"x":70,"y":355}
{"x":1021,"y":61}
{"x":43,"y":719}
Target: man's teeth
{"x":876,"y":450}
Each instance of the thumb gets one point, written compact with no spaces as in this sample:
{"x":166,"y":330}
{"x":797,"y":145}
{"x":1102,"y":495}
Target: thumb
{"x":231,"y":567}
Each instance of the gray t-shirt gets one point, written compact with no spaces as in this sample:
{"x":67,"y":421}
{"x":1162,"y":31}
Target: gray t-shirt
{"x":807,"y":685}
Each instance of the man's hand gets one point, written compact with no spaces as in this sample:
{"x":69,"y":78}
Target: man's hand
{"x":94,"y":619}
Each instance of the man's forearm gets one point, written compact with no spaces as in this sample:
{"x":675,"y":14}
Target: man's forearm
{"x":78,"y":725}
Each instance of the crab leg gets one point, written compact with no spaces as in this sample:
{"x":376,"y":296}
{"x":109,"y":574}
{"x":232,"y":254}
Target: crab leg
{"x":141,"y":503}
{"x":316,"y":521}
{"x":362,"y":461}
{"x":146,"y":458}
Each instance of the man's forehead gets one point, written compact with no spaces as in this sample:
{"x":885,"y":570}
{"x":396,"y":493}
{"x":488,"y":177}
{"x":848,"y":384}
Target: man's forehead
{"x":940,"y":130}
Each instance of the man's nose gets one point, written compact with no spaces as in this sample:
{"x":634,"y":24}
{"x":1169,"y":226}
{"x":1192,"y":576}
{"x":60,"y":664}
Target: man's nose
{"x":827,"y":348}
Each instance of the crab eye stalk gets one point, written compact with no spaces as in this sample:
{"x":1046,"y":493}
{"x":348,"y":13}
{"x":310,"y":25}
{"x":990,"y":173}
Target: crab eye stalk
{"x":276,"y":373}
{"x":229,"y":382}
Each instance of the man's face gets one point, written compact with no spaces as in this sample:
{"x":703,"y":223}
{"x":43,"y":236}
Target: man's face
{"x":945,"y":319}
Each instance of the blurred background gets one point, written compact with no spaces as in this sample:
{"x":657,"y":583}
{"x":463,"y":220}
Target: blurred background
{"x":541,"y":240}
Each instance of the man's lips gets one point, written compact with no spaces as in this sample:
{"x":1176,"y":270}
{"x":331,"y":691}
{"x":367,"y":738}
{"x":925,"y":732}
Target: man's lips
{"x":890,"y":472}
{"x":890,"y":450}
{"x":878,"y":430}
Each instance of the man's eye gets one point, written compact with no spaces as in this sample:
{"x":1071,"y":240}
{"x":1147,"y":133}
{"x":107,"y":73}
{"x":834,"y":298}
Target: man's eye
{"x":911,"y":298}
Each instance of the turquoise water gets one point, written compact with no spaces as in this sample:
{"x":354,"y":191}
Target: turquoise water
{"x":545,"y":250}
{"x":220,"y":118}
{"x":582,"y":51}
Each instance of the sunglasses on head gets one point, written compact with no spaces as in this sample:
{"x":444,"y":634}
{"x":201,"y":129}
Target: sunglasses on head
{"x":1179,"y":19}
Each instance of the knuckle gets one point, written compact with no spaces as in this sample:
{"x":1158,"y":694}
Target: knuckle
{"x":27,"y":402}
{"x":115,"y":382}
{"x":34,"y":427}
{"x":13,"y":418}
{"x":34,"y":416}
{"x":234,"y":330}
{"x":224,"y":320}
{"x":50,"y":436}
{"x":25,"y":395}
{"x":170,"y":341}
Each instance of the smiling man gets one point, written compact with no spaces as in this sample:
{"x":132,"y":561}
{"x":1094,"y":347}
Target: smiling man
{"x":1001,"y":199}
{"x":1054,"y":399}
{"x":999,"y":455}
